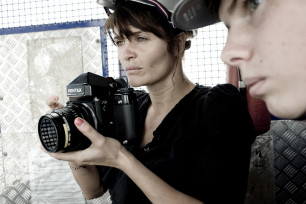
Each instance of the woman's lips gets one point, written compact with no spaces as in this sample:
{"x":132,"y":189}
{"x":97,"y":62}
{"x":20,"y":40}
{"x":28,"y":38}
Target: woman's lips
{"x":255,"y":85}
{"x":132,"y":69}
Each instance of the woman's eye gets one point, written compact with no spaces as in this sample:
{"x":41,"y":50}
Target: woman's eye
{"x":254,"y":4}
{"x":141,"y":39}
{"x":119,"y":43}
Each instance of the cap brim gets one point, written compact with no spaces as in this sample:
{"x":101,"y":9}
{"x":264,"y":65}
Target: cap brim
{"x":192,"y":14}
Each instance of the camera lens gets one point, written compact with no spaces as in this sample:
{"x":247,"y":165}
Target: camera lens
{"x":57,"y":131}
{"x":48,"y":134}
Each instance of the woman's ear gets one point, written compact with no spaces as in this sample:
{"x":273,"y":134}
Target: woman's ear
{"x":182,"y":39}
{"x":181,"y":44}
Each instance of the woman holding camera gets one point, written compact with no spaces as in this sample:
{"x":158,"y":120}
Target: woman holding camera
{"x":196,"y":140}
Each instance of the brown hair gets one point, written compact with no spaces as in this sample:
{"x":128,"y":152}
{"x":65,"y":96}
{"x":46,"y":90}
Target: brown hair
{"x":148,"y":19}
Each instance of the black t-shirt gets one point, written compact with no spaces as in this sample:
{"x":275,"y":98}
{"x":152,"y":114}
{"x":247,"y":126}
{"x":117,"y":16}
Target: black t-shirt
{"x":201,"y":148}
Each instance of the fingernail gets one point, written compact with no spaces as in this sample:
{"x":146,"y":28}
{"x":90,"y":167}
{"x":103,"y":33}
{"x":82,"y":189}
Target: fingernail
{"x":55,"y":98}
{"x":79,"y":121}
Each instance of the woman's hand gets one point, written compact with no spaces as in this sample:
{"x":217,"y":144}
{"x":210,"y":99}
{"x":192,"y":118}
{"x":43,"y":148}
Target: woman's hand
{"x":53,"y":103}
{"x":103,"y":150}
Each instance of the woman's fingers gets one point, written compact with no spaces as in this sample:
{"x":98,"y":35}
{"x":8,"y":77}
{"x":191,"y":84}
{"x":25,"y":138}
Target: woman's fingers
{"x":53,"y":103}
{"x":86,"y":129}
{"x":68,"y":156}
{"x":103,"y":150}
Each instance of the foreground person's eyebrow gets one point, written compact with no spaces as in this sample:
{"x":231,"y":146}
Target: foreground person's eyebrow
{"x":232,"y":6}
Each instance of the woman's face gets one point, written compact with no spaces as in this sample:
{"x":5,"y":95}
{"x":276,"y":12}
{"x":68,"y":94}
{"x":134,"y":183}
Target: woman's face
{"x":145,"y":58}
{"x":267,"y":41}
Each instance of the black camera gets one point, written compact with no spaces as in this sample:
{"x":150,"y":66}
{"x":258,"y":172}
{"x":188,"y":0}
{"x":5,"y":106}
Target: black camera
{"x":107,"y":104}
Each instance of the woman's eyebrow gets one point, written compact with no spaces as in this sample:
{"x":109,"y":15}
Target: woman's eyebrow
{"x":136,"y":33}
{"x":116,"y":37}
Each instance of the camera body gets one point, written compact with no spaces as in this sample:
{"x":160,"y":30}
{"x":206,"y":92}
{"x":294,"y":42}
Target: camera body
{"x":107,"y":104}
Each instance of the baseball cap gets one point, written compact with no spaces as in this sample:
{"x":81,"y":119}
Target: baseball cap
{"x":169,"y":5}
{"x":165,"y":7}
{"x":192,"y":14}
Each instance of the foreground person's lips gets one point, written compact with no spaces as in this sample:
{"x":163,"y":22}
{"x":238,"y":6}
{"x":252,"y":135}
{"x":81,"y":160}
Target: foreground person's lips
{"x":255,"y":85}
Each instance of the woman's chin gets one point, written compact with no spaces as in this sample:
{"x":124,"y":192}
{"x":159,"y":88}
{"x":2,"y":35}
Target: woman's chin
{"x":135,"y":81}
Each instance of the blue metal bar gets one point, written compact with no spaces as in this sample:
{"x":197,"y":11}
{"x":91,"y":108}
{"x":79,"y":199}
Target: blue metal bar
{"x":56,"y":26}
{"x":104,"y":52}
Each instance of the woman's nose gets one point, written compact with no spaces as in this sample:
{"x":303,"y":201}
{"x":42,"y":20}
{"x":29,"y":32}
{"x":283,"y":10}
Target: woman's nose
{"x":237,"y":48}
{"x":128,"y":51}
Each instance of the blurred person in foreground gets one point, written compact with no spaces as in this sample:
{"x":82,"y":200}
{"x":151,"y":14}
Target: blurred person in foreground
{"x":266,"y":40}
